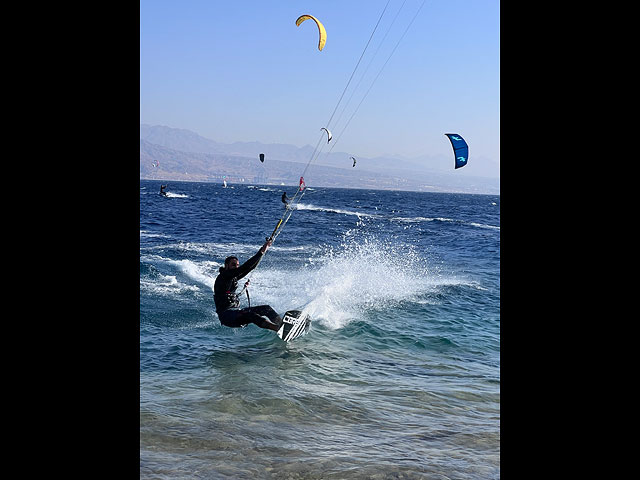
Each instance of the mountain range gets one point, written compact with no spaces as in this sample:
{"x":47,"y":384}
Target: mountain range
{"x":184,"y":155}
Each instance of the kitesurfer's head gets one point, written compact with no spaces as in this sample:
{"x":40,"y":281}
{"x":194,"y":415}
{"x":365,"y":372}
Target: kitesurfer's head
{"x":231,"y":262}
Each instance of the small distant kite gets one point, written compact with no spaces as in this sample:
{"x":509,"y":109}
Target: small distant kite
{"x":321,"y":30}
{"x":262,"y":157}
{"x":156,"y":164}
{"x":354,"y":161}
{"x":460,"y":149}
{"x":329,"y":136}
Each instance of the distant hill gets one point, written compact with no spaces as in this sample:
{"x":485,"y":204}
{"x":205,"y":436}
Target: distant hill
{"x":188,"y":141}
{"x":185,"y":155}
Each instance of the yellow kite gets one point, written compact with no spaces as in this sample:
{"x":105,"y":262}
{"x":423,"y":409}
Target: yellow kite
{"x":321,"y":30}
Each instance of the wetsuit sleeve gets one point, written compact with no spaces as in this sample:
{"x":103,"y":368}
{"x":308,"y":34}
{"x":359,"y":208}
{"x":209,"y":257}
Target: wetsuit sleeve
{"x":249,"y":265}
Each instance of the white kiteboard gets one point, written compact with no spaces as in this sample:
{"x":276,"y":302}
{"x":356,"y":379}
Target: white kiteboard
{"x":294,"y":324}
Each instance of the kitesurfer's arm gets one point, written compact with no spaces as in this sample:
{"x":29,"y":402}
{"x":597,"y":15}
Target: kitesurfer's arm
{"x":267,"y":244}
{"x":253,"y":262}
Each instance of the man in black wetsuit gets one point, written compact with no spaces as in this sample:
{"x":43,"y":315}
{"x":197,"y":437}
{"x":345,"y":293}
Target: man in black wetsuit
{"x":227,"y":301}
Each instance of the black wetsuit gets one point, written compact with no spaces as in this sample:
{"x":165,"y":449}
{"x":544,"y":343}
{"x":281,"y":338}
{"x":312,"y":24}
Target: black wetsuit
{"x":227,"y":301}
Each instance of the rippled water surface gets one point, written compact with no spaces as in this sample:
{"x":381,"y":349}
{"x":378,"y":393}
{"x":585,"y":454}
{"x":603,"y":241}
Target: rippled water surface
{"x":399,"y":375}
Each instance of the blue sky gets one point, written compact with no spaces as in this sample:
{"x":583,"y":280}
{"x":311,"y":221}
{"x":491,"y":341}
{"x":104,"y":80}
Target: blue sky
{"x":243,"y":71}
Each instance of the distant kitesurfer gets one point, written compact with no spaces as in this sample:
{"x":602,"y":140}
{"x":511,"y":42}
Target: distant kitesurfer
{"x":227,"y":301}
{"x":162,"y":192}
{"x":285,"y":199}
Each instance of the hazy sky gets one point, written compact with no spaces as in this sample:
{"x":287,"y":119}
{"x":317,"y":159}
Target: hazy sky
{"x":243,"y":71}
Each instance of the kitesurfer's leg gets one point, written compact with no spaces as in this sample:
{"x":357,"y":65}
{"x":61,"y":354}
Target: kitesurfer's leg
{"x":256,"y":315}
{"x":264,"y":323}
{"x":231,"y":318}
{"x":239,"y":318}
{"x":267,"y":311}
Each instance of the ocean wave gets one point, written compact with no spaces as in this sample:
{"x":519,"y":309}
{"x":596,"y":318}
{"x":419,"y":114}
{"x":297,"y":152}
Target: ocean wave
{"x":219,"y":250}
{"x":201,"y":272}
{"x":165,"y":285}
{"x":482,"y":225}
{"x":442,"y":219}
{"x":308,"y":206}
{"x":418,"y":219}
{"x":176,"y":195}
{"x":147,"y":234}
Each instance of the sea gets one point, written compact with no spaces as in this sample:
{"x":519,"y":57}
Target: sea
{"x":398,"y":376}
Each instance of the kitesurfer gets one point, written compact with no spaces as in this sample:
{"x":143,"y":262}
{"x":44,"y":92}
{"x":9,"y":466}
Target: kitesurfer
{"x":162,"y":192}
{"x":285,"y":199}
{"x":227,"y":301}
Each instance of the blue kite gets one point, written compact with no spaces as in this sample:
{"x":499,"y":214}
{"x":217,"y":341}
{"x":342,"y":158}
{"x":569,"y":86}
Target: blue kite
{"x":460,"y":149}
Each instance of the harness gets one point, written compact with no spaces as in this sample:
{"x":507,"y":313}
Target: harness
{"x":245,"y":289}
